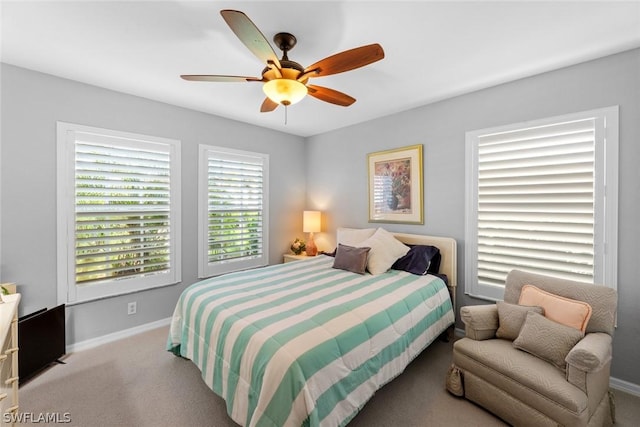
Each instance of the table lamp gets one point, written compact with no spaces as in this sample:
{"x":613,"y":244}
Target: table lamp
{"x":311,"y":224}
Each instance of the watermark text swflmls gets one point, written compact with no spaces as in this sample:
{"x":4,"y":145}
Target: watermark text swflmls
{"x":32,"y":417}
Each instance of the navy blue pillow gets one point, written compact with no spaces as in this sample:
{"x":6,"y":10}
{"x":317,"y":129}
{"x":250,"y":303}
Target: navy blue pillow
{"x":420,"y":260}
{"x":333,"y":254}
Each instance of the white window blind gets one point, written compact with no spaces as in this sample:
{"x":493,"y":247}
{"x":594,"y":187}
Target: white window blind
{"x":122,"y":212}
{"x":122,"y":217}
{"x":539,"y":202}
{"x":233,"y":213}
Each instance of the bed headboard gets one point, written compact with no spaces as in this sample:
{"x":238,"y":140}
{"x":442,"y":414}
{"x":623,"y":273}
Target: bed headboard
{"x":448,"y":252}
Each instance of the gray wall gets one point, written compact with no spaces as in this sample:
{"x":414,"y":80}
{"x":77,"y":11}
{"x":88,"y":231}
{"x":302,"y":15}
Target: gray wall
{"x":32,"y":103}
{"x":441,"y":128}
{"x":336,"y":179}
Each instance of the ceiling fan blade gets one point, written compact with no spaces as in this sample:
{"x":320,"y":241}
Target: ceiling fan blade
{"x":330,"y":95}
{"x":346,"y":60}
{"x":268,"y":105}
{"x":214,"y":78}
{"x":250,"y":35}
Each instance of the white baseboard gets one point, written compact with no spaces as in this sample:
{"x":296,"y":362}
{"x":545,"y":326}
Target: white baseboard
{"x":615,"y":383}
{"x":625,"y":386}
{"x":105,"y":339}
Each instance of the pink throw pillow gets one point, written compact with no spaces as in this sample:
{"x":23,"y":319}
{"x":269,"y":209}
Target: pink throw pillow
{"x":566,"y":311}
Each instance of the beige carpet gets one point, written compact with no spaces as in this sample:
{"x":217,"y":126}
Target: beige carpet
{"x":135,"y":382}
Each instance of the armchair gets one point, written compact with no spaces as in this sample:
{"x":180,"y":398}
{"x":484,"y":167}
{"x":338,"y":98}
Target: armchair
{"x":543,"y":385}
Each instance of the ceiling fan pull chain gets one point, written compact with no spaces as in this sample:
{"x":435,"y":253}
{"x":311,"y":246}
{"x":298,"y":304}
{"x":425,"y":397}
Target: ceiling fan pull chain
{"x":285,"y":115}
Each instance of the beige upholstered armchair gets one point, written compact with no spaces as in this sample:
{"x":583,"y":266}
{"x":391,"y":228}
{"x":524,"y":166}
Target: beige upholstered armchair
{"x":533,"y":371}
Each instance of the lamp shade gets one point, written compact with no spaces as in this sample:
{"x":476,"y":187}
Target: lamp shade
{"x":284,"y":91}
{"x":311,"y":221}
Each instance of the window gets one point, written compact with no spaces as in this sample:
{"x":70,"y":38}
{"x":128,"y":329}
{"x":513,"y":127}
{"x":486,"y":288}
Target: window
{"x":233,"y":208}
{"x":118,"y":212}
{"x":542,"y":196}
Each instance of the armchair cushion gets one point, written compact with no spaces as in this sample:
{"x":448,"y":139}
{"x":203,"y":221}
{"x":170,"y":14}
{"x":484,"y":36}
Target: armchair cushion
{"x":546,"y":339}
{"x":521,"y":375}
{"x":511,"y":317}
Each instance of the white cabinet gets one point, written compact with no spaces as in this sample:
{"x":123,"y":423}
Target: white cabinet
{"x":9,"y":359}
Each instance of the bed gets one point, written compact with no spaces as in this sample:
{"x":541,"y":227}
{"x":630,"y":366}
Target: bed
{"x":302,"y":343}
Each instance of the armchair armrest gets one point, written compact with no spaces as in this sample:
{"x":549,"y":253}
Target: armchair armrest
{"x":589,"y":364}
{"x":480,"y":321}
{"x":591,"y":353}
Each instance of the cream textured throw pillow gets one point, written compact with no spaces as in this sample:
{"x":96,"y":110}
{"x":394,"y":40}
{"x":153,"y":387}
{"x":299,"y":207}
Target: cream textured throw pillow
{"x":385,"y":250}
{"x":546,"y":339}
{"x":511,"y":317}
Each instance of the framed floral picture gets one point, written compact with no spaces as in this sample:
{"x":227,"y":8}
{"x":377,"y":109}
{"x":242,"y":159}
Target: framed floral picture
{"x":395,"y":185}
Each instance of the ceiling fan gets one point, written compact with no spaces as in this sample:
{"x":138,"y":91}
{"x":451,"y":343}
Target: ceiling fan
{"x":287,"y":82}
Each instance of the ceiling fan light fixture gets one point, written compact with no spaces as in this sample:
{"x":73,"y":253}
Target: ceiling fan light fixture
{"x":285,"y":81}
{"x":284,"y":91}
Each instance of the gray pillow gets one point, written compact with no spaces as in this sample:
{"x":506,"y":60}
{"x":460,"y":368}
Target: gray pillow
{"x":546,"y":339}
{"x":511,"y":317}
{"x":351,"y":259}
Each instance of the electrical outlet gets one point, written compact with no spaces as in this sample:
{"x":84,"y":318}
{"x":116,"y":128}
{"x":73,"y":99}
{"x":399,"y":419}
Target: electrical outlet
{"x":132,"y":307}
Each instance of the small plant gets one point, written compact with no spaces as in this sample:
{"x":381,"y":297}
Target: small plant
{"x":5,"y":291}
{"x":298,"y":246}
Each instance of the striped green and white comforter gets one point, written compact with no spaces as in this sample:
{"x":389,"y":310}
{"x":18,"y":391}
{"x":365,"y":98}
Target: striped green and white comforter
{"x":302,"y":343}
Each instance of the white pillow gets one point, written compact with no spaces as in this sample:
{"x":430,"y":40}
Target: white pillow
{"x":353,"y":236}
{"x":385,"y":250}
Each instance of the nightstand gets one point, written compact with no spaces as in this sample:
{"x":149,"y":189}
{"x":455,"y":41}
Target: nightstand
{"x":294,"y":257}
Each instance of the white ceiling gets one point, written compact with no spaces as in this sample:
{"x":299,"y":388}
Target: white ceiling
{"x":434,"y":50}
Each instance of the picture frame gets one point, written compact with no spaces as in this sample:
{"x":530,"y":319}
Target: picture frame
{"x":395,"y":185}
